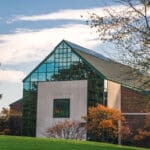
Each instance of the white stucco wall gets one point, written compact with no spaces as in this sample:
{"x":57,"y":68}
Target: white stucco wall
{"x":76,"y":91}
{"x":113,"y":95}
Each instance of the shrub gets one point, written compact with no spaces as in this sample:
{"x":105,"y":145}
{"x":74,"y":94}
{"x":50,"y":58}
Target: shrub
{"x":67,"y":130}
{"x":142,"y":136}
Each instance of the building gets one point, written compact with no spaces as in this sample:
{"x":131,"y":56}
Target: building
{"x":72,"y":78}
{"x":16,"y":106}
{"x":15,"y":117}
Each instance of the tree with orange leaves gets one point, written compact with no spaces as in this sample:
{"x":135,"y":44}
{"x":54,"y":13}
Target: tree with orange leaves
{"x":102,"y":124}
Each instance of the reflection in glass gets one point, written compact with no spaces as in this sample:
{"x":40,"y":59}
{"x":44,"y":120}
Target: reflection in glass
{"x":42,"y":68}
{"x":42,"y":77}
{"x":34,"y":77}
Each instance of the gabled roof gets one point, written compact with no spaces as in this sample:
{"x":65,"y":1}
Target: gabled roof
{"x":110,"y":69}
{"x":87,"y":51}
{"x":17,"y":101}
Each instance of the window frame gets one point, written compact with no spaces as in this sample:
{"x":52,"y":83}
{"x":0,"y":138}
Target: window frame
{"x":67,"y":101}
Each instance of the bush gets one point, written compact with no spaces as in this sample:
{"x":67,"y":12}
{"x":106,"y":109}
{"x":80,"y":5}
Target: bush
{"x":142,"y":136}
{"x":68,"y":130}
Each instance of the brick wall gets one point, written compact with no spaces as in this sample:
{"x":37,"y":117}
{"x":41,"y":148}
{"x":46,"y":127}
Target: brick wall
{"x":135,"y":105}
{"x":16,"y":106}
{"x":135,"y":121}
{"x":132,"y":101}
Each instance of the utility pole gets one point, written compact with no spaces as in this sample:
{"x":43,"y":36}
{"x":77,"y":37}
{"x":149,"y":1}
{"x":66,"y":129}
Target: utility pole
{"x":119,"y":132}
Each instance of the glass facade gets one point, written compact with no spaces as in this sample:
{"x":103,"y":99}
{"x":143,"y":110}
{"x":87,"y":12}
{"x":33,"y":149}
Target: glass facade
{"x":62,"y":64}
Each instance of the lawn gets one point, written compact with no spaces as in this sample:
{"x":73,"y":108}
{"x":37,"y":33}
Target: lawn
{"x":26,"y":143}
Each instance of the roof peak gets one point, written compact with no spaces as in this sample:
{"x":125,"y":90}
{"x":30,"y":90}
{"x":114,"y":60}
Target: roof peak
{"x":86,"y":50}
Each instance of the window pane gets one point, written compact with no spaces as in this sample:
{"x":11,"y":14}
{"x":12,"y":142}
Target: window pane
{"x":50,"y":67}
{"x":34,"y":85}
{"x":49,"y":76}
{"x":75,"y":58}
{"x":26,"y":86}
{"x":27,"y":80}
{"x":42,"y":68}
{"x":50,"y":59}
{"x":42,"y":76}
{"x":34,"y":77}
{"x":61,"y":108}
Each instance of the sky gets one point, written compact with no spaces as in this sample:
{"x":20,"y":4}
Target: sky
{"x":30,"y":29}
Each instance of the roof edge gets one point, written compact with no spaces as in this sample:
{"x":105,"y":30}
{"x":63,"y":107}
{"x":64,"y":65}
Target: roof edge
{"x":42,"y":60}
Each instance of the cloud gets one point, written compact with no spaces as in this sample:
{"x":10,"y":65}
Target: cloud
{"x":11,"y":91}
{"x":11,"y":75}
{"x":28,"y":46}
{"x":66,"y":14}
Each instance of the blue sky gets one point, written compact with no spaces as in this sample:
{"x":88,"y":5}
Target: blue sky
{"x":30,"y":29}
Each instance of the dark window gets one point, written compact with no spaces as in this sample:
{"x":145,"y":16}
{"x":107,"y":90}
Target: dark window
{"x":61,"y":108}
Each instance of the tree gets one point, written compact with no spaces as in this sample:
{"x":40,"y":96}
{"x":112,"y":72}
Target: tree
{"x":102,"y":124}
{"x":10,"y":122}
{"x":15,"y":122}
{"x":129,"y":30}
{"x":4,"y":121}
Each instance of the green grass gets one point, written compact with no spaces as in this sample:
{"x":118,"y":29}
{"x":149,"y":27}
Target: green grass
{"x":26,"y":143}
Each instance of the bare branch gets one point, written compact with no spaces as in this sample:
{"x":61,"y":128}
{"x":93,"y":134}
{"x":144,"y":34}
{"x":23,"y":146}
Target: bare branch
{"x":129,"y":31}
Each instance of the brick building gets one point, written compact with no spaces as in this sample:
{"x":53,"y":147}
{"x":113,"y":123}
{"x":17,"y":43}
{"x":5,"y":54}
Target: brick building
{"x":15,"y":119}
{"x":16,"y":106}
